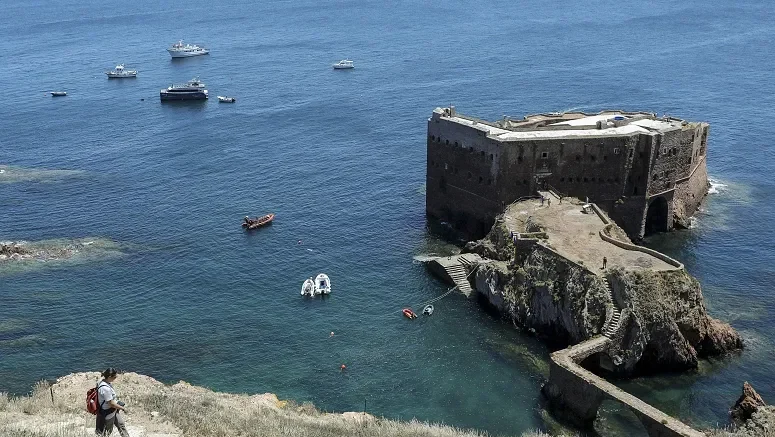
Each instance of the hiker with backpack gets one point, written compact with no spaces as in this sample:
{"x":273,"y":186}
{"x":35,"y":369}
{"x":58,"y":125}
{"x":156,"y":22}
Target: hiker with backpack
{"x":107,"y":407}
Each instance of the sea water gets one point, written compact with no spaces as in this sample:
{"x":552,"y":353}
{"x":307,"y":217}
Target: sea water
{"x":339,"y":156}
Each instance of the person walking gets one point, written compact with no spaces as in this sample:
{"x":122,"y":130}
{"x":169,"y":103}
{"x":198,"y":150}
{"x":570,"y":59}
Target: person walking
{"x":109,"y":414}
{"x":605,"y":261}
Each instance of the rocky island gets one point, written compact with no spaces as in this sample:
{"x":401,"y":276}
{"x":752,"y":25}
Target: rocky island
{"x":559,"y":267}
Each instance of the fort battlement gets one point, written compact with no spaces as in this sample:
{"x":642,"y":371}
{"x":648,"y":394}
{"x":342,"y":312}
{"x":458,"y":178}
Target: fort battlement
{"x":647,"y":172}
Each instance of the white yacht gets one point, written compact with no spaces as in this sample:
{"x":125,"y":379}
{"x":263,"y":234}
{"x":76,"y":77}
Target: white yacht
{"x":180,"y":50}
{"x":322,"y":284}
{"x":120,"y":72}
{"x":344,"y":64}
{"x":226,"y":99}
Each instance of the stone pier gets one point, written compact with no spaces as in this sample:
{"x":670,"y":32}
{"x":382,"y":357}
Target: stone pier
{"x":579,"y":393}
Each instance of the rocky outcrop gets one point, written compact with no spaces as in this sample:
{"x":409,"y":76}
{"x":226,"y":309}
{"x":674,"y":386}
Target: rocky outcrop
{"x":761,"y":424}
{"x":665,"y":325}
{"x":53,"y":250}
{"x":668,"y":327}
{"x":748,"y":403}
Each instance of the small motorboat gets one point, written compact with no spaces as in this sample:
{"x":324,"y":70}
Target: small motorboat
{"x":409,"y":313}
{"x":58,"y":93}
{"x":344,"y":64}
{"x":308,"y":288}
{"x":121,"y":73}
{"x":322,"y":284}
{"x":428,"y":310}
{"x":225,"y":99}
{"x":257,"y":222}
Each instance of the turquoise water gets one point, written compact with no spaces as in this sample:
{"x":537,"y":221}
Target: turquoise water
{"x":339,"y":156}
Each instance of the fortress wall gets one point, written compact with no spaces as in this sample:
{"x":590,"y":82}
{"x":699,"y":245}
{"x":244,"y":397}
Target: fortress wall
{"x":689,"y":193}
{"x":471,"y":177}
{"x":666,"y":164}
{"x":461,"y":174}
{"x":581,"y":167}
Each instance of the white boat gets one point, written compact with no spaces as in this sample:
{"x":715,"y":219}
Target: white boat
{"x":322,"y":284}
{"x":120,"y":72}
{"x":180,"y":50}
{"x":308,"y":288}
{"x":344,"y":64}
{"x":58,"y":93}
{"x":428,"y":310}
{"x":224,"y":99}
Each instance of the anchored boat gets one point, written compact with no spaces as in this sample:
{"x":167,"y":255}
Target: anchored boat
{"x":258,"y":222}
{"x":194,"y":89}
{"x":428,"y":310}
{"x":225,"y":99}
{"x":308,"y":288}
{"x":58,"y":93}
{"x":322,"y":284}
{"x":120,"y":73}
{"x":409,"y":314}
{"x":344,"y":64}
{"x":180,"y":50}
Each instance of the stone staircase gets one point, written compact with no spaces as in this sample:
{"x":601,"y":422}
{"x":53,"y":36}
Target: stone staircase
{"x":459,"y":274}
{"x":613,"y":324}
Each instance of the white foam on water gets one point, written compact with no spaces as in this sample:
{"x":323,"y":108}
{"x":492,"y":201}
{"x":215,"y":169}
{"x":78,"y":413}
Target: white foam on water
{"x":425,"y":257}
{"x":716,"y":187}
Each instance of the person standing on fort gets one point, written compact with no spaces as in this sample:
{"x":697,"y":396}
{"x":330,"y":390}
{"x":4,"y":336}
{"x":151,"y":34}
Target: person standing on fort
{"x":605,"y":261}
{"x":111,"y":408}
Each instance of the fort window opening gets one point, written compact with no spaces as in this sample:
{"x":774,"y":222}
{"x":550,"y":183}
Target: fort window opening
{"x":482,"y":153}
{"x":630,"y":154}
{"x":616,"y":150}
{"x":585,"y":180}
{"x":491,"y":157}
{"x":616,"y":180}
{"x":519,"y":159}
{"x":524,"y":181}
{"x":640,"y":155}
{"x":456,"y":144}
{"x":489,"y":181}
{"x":480,"y":179}
{"x":562,"y":179}
{"x":592,"y":179}
{"x":605,"y":157}
{"x":655,"y":177}
{"x":578,"y":157}
{"x":447,"y":141}
{"x":609,"y":180}
{"x":578,"y":179}
{"x":431,"y":137}
{"x":544,"y":155}
{"x":471,"y":149}
{"x":591,"y":157}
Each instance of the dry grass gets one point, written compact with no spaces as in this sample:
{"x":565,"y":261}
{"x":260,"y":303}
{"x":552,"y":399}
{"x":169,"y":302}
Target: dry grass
{"x":184,"y":410}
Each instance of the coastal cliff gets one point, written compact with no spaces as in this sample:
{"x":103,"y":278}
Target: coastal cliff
{"x":664,"y":325}
{"x":155,"y":409}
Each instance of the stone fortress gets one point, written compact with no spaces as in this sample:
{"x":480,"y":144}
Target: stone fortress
{"x":647,"y":172}
{"x":551,"y":204}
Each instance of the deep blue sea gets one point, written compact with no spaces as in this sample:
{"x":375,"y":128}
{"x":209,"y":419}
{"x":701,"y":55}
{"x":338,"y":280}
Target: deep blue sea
{"x":339,"y":156}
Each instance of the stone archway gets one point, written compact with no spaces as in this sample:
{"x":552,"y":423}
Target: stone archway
{"x":656,"y":216}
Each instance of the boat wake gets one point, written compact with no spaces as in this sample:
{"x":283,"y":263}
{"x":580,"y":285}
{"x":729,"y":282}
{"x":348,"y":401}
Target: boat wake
{"x":10,"y":174}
